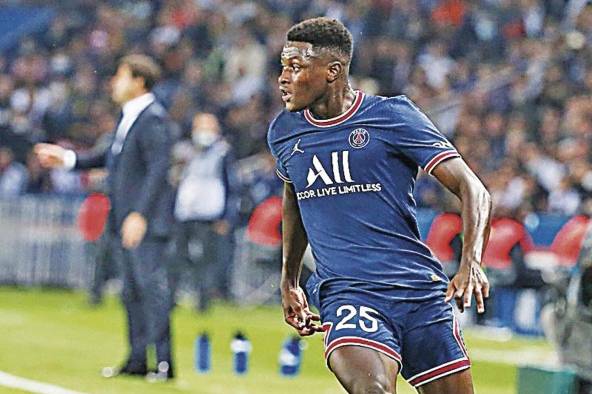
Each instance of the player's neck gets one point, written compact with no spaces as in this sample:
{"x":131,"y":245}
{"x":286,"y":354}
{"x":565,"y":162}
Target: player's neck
{"x":334,"y":103}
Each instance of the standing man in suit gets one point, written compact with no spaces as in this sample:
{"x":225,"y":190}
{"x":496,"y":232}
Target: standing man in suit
{"x":141,"y":214}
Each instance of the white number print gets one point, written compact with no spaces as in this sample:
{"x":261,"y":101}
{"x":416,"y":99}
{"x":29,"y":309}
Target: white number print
{"x":365,"y":314}
{"x":344,"y":322}
{"x":364,"y":319}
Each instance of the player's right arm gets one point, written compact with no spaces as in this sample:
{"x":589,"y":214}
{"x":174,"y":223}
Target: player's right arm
{"x":296,"y":310}
{"x":294,"y":242}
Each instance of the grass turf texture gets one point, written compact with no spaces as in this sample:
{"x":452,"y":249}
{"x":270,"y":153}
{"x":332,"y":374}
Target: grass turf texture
{"x":55,"y":337}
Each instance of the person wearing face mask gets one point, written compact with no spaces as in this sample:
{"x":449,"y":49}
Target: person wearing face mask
{"x":204,"y":210}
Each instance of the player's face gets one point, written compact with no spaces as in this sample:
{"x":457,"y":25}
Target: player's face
{"x":303,"y":78}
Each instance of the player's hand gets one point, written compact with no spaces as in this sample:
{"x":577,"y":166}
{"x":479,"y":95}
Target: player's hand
{"x":469,"y":280}
{"x":297,"y":313}
{"x":50,"y":155}
{"x":133,"y":230}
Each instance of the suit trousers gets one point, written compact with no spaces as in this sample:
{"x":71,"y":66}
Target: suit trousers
{"x":106,"y":266}
{"x":147,"y":299}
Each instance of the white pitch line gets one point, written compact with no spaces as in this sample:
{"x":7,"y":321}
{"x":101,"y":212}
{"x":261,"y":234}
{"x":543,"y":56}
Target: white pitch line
{"x":32,"y":386}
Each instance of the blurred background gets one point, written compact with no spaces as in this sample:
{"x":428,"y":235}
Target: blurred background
{"x":509,"y":82}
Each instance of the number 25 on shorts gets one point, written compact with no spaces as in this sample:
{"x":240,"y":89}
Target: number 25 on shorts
{"x":366,"y":321}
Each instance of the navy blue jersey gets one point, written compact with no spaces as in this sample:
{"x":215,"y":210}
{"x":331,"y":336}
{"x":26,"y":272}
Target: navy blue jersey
{"x":354,"y":177}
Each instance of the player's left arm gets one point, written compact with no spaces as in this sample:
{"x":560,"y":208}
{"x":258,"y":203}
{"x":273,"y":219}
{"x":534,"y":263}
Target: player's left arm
{"x":476,"y":216}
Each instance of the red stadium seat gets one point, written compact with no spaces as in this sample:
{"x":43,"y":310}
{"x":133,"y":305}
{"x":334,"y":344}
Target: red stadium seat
{"x":443,"y":230}
{"x":568,"y":241}
{"x":504,"y":256}
{"x":265,"y":222}
{"x":505,"y":234}
{"x":92,"y":216}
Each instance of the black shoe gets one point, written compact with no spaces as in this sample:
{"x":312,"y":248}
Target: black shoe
{"x":128,"y":369}
{"x":162,"y":374}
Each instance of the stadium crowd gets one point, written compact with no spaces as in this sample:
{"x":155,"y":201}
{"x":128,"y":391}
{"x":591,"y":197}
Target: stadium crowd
{"x":508,"y":81}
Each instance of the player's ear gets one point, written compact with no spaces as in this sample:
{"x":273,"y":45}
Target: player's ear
{"x":334,"y":71}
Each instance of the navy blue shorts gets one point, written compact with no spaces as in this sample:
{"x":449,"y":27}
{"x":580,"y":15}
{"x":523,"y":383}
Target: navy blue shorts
{"x":414,"y":327}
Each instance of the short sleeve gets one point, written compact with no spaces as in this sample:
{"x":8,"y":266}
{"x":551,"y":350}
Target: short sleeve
{"x":417,"y":138}
{"x":281,"y":171}
{"x":280,"y":168}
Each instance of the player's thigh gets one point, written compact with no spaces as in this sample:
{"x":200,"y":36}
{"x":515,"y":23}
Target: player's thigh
{"x":458,"y":383}
{"x":361,"y":345}
{"x":433,"y":348}
{"x":362,"y":370}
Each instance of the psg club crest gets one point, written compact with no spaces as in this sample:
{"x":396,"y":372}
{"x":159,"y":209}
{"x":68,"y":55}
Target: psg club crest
{"x":359,"y":138}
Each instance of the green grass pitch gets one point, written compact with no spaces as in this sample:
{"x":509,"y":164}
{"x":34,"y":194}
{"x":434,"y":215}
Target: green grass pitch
{"x":54,"y":337}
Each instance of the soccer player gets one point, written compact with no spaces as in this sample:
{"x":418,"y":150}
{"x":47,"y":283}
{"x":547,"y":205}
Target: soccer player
{"x":349,"y":162}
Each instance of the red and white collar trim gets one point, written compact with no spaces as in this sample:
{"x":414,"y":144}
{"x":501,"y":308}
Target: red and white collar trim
{"x":338,"y":119}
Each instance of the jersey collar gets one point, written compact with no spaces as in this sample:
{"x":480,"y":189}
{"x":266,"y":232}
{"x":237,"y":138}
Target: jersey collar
{"x":338,"y":119}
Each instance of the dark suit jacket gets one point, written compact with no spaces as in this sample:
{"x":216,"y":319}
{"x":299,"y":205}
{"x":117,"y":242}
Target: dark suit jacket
{"x":138,"y":175}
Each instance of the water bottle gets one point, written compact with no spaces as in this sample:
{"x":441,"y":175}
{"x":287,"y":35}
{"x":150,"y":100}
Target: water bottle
{"x":241,"y":347}
{"x":291,"y":356}
{"x":203,"y":353}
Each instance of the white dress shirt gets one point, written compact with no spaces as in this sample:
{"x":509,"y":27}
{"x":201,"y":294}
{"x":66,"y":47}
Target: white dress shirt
{"x":131,"y":110}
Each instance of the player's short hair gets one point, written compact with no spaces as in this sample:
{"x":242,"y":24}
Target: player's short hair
{"x":143,"y":66}
{"x":325,"y":33}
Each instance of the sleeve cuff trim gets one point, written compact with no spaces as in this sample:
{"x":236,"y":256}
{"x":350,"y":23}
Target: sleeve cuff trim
{"x":282,"y":176}
{"x":440,"y":157}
